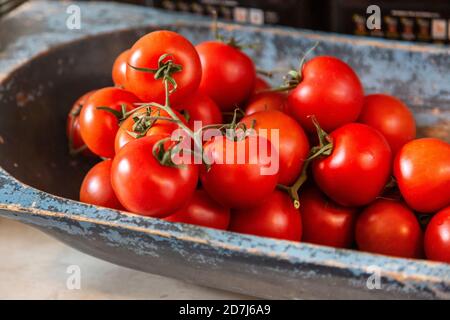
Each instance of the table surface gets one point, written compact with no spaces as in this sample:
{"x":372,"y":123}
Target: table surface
{"x":35,"y":266}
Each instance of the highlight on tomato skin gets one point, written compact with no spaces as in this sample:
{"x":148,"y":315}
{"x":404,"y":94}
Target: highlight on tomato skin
{"x":119,"y":71}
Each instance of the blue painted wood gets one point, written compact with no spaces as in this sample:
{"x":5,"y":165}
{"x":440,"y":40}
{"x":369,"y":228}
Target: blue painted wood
{"x":45,"y":66}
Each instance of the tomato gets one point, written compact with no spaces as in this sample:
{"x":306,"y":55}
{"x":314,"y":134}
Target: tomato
{"x":144,"y":186}
{"x":357,"y":169}
{"x":237,"y":177}
{"x":292,"y":144}
{"x":265,"y":101}
{"x":119,"y":70}
{"x":330,"y":90}
{"x":203,"y":211}
{"x":325,"y":222}
{"x":159,"y":127}
{"x":422,"y":171}
{"x":437,"y":237}
{"x":146,"y":52}
{"x":259,"y":85}
{"x":99,"y":127}
{"x":200,"y":107}
{"x":228,"y":74}
{"x":96,"y":187}
{"x":391,"y":117}
{"x":276,"y":217}
{"x":76,"y":142}
{"x":389,"y":227}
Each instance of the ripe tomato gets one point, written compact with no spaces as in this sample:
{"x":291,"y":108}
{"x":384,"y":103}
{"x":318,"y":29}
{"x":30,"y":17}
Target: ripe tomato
{"x":391,"y":117}
{"x":292,"y":144}
{"x":422,"y":171}
{"x":203,"y":211}
{"x":145,"y":186}
{"x":146,"y":52}
{"x":119,"y":70}
{"x":260,"y":85}
{"x":276,"y":217}
{"x":265,"y":101}
{"x":237,"y":177}
{"x":96,"y":187}
{"x":437,"y":237}
{"x":330,"y":90}
{"x":389,"y":227}
{"x":99,"y":127}
{"x":358,"y":168}
{"x":200,"y":107}
{"x":228,"y":74}
{"x":76,"y":142}
{"x":325,"y":222}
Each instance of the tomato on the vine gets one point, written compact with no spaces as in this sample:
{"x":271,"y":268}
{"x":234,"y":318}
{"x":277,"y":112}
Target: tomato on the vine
{"x":96,"y":187}
{"x":260,"y":85}
{"x":328,"y":89}
{"x":265,"y":101}
{"x":357,"y":169}
{"x":325,"y":222}
{"x":422,"y":172}
{"x":275,"y":217}
{"x":389,"y":227}
{"x":201,"y":210}
{"x":292,"y":144}
{"x":200,"y":107}
{"x":119,"y":70}
{"x":98,"y":127}
{"x":228,"y":74}
{"x":182,"y":60}
{"x":145,"y":186}
{"x":437,"y":237}
{"x":391,"y":117}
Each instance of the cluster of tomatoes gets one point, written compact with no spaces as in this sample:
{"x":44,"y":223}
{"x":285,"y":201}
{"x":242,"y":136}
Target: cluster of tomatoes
{"x":350,"y":172}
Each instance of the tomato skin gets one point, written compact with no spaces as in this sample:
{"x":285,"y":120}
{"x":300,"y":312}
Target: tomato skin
{"x":265,"y":101}
{"x":203,"y":211}
{"x":292,"y":147}
{"x":437,"y":237}
{"x":325,"y":222}
{"x":146,"y":187}
{"x":389,"y":227}
{"x":96,"y":187}
{"x":330,"y":90}
{"x":99,"y":127}
{"x":228,"y":74}
{"x":358,"y":168}
{"x":119,"y":70}
{"x":422,"y":171}
{"x":260,"y":85}
{"x":391,"y":117}
{"x":146,"y":52}
{"x":200,"y":107}
{"x":276,"y":217}
{"x":238,"y":185}
{"x":73,"y":125}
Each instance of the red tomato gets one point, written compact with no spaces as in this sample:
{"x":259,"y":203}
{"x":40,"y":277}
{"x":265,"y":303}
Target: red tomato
{"x":260,"y":85}
{"x":119,"y":70}
{"x":146,"y":52}
{"x":228,"y":74}
{"x":391,"y":117}
{"x":325,"y":222}
{"x":239,"y":178}
{"x":437,"y":237}
{"x":389,"y":227}
{"x":265,"y":101}
{"x":99,"y":127}
{"x":203,"y":211}
{"x":276,"y":217}
{"x":145,"y":186}
{"x":422,"y":171}
{"x":330,"y":90}
{"x":358,"y":168}
{"x":96,"y":187}
{"x":292,"y":144}
{"x":202,"y":108}
{"x":76,"y":142}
